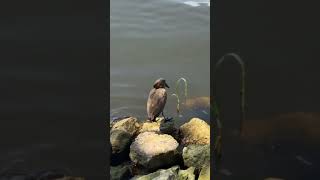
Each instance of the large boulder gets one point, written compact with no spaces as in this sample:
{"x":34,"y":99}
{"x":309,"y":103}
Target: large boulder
{"x":187,"y":174}
{"x":196,"y":131}
{"x":153,"y":150}
{"x":162,"y":174}
{"x":195,"y":155}
{"x":122,"y":133}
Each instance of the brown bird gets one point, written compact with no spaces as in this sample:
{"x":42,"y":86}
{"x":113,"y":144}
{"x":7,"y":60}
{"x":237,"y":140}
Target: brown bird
{"x":157,"y":99}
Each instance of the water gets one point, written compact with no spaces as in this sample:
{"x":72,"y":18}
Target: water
{"x":153,"y":39}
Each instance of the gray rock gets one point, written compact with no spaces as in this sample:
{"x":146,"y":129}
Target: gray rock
{"x":196,"y":155}
{"x":187,"y":174}
{"x":120,"y":140}
{"x":162,"y":174}
{"x":122,"y":133}
{"x":153,"y":150}
{"x":120,"y":172}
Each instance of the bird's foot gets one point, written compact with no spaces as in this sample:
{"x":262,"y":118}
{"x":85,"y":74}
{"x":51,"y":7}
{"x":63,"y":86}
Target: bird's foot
{"x":168,"y":119}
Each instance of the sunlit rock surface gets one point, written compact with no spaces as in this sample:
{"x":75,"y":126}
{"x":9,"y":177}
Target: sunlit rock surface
{"x":196,"y":131}
{"x":153,"y":150}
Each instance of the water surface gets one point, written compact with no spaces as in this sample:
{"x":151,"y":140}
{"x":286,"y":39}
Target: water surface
{"x":153,"y":39}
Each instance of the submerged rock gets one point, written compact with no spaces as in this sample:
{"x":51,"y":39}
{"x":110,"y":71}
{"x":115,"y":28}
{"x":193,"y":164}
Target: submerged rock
{"x":196,"y":155}
{"x":120,"y":172}
{"x":205,"y":173}
{"x":153,"y":150}
{"x":196,"y":131}
{"x":187,"y":174}
{"x":122,"y":133}
{"x":162,"y":174}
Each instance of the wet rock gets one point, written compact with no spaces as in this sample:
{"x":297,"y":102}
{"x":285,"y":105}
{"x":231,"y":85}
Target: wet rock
{"x":205,"y":173}
{"x":120,"y":172}
{"x":122,"y":133}
{"x":187,"y":174}
{"x":195,"y":155}
{"x":153,"y":150}
{"x":196,"y":131}
{"x":162,"y":174}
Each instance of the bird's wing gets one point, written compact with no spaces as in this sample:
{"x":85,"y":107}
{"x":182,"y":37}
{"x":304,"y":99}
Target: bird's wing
{"x":156,"y":102}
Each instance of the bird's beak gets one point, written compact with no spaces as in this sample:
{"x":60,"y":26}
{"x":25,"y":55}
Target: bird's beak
{"x":166,"y":85}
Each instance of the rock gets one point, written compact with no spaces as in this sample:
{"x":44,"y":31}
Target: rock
{"x":120,"y":172}
{"x":196,"y":131}
{"x":162,"y":174}
{"x":153,"y":150}
{"x":166,"y":127}
{"x":129,"y":125}
{"x":122,"y":133}
{"x":120,"y":140}
{"x":187,"y":174}
{"x":196,"y":155}
{"x":205,"y":173}
{"x":150,"y":127}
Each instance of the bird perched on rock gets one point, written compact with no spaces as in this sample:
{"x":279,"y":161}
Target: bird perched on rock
{"x":157,"y":99}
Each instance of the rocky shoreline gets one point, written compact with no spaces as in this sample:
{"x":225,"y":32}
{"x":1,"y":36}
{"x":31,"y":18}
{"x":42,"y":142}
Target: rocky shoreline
{"x":159,"y":150}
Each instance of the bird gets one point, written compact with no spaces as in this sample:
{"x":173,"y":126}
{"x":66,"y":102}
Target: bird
{"x":157,"y":99}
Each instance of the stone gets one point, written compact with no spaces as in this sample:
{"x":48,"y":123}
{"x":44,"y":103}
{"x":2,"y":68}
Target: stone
{"x":187,"y":174}
{"x":205,"y":173}
{"x":120,"y":140}
{"x":122,"y":133}
{"x":152,"y":150}
{"x":129,"y":125}
{"x":196,"y":155}
{"x":166,"y":127}
{"x":162,"y":174}
{"x":120,"y":172}
{"x":196,"y":131}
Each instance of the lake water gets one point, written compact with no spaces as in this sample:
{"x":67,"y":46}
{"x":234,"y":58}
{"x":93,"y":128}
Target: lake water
{"x":153,"y":39}
{"x":170,"y":39}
